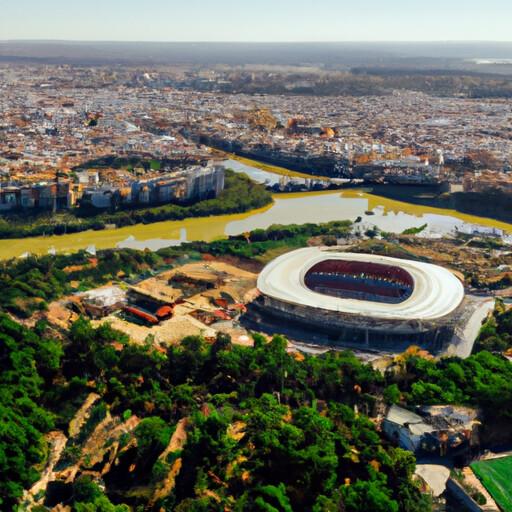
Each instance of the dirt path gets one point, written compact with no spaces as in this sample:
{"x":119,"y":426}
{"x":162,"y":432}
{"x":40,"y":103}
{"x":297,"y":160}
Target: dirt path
{"x":81,"y":416}
{"x":177,"y":442}
{"x":471,"y":479}
{"x":57,"y":442}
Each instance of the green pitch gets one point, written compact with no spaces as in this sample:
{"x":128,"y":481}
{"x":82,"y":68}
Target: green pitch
{"x":496,"y":475}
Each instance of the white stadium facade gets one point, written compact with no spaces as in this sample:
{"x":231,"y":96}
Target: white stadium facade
{"x":360,"y":300}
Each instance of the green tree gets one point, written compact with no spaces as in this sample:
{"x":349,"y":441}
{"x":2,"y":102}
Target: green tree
{"x":364,"y":495}
{"x":392,"y":394}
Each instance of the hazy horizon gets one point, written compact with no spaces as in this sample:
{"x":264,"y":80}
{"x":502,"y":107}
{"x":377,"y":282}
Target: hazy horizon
{"x":199,"y":41}
{"x":340,"y":55}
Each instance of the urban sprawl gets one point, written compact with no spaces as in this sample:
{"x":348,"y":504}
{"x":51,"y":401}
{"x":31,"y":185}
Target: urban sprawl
{"x":59,"y":122}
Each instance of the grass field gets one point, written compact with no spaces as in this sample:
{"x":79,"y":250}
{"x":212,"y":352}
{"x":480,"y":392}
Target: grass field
{"x":496,"y":476}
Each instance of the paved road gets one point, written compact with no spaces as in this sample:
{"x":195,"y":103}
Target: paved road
{"x":462,"y":342}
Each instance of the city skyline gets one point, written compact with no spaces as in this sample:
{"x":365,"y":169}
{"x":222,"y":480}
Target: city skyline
{"x":229,"y":20}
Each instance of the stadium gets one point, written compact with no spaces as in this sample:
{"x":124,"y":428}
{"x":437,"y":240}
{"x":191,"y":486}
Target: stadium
{"x":361,"y":300}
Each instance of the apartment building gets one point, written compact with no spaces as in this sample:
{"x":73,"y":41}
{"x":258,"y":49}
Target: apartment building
{"x":192,"y":184}
{"x":42,"y":196}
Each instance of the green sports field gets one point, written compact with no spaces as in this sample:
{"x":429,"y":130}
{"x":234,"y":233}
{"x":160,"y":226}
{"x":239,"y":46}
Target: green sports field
{"x":496,"y":475}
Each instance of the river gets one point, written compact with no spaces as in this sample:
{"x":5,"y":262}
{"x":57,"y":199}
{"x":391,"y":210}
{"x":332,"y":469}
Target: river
{"x":348,"y":204}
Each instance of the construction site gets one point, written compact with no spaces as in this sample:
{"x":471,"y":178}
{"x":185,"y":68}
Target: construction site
{"x":197,"y":298}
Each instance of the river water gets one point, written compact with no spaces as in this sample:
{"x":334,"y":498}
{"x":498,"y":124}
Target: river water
{"x":348,"y":204}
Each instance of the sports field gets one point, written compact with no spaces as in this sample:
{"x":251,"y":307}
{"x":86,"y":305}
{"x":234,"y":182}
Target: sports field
{"x":496,"y":476}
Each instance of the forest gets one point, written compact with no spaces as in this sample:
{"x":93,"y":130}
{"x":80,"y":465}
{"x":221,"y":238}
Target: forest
{"x":266,"y":429}
{"x":496,"y":333}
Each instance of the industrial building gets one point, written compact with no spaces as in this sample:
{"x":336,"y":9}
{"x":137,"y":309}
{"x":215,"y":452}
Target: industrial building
{"x":436,"y":429}
{"x":360,"y":300}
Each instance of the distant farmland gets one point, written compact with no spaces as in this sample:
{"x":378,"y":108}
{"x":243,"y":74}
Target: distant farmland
{"x":496,"y":474}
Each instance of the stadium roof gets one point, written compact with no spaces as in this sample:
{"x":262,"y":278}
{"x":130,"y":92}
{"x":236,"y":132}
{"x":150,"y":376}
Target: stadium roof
{"x":437,"y":292}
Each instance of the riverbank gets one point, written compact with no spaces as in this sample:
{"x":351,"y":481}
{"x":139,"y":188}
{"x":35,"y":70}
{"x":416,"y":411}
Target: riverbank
{"x":375,"y":200}
{"x":298,"y":208}
{"x":282,"y":171}
{"x":197,"y":228}
{"x":241,"y":194}
{"x":493,"y":204}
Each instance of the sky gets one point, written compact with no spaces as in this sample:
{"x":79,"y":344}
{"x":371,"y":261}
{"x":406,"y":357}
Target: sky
{"x":257,"y":20}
